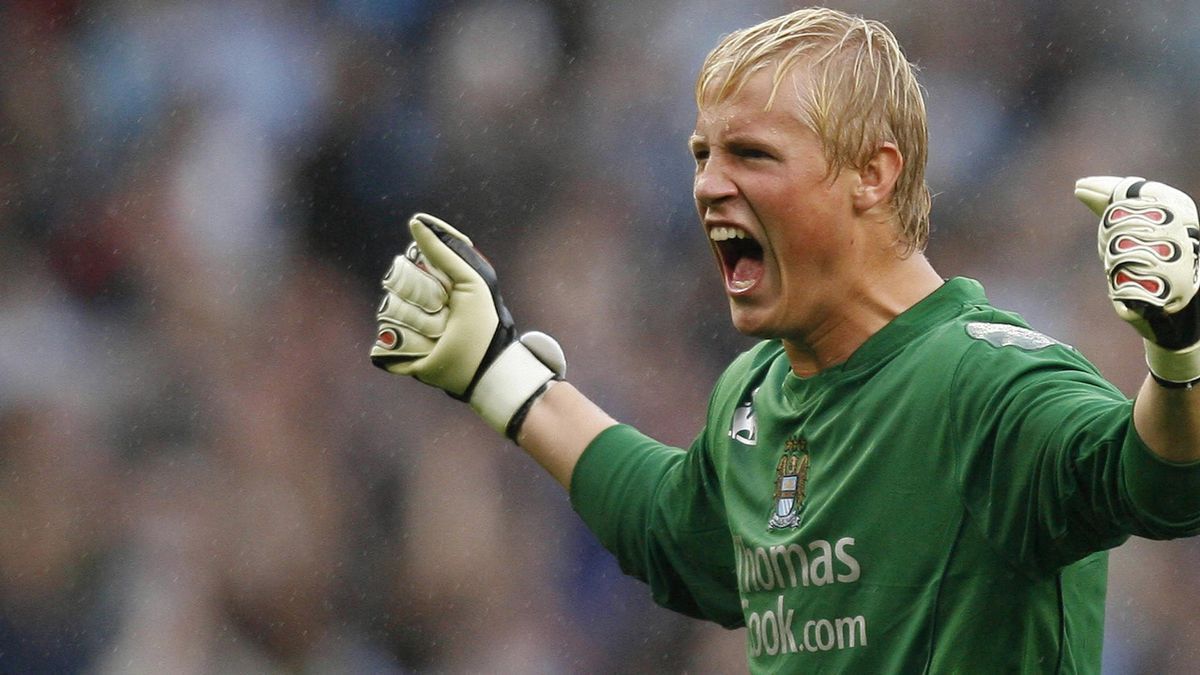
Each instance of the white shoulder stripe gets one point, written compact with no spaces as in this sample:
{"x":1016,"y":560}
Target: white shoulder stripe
{"x":1006,"y":335}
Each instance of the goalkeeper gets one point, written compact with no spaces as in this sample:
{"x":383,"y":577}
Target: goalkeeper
{"x":899,"y":477}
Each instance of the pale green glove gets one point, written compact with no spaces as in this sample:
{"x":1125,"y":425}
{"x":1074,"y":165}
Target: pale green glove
{"x":1149,"y":240}
{"x":442,"y":321}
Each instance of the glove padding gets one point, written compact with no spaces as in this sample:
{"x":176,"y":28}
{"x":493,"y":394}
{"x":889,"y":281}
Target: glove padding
{"x":442,"y":321}
{"x":1149,"y":242}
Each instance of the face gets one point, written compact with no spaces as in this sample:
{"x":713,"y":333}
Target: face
{"x":781,"y":227}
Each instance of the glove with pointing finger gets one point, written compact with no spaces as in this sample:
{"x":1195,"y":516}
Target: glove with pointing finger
{"x":1149,"y":240}
{"x":442,"y":321}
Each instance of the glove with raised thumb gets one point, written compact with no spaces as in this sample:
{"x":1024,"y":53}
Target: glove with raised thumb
{"x":443,"y":322}
{"x":1149,"y":240}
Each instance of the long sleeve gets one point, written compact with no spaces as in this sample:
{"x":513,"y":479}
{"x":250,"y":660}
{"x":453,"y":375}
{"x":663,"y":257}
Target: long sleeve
{"x":1050,"y":465}
{"x":658,"y":509}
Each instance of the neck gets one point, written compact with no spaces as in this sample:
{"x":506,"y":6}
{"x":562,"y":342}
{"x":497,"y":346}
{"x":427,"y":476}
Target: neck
{"x":860,"y":313}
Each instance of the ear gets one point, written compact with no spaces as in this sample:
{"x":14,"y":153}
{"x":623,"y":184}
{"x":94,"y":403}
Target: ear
{"x":877,"y":180}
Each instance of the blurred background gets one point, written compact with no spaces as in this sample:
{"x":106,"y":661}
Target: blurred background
{"x":200,"y":472}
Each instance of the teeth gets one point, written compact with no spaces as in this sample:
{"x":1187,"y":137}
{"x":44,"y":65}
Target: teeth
{"x":726,"y":233}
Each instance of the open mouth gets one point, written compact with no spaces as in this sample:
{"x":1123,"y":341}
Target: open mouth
{"x":741,"y":258}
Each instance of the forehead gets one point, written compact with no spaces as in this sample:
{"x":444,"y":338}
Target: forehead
{"x":756,"y":106}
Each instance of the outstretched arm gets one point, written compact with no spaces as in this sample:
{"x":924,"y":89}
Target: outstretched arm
{"x":1149,"y":240}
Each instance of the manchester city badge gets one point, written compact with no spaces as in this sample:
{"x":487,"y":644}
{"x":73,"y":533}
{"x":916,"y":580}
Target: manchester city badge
{"x":791,"y":481}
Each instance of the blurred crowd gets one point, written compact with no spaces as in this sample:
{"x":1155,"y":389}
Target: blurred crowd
{"x":200,"y":471}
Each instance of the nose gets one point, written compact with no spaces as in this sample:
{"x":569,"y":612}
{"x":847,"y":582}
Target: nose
{"x":711,"y":184}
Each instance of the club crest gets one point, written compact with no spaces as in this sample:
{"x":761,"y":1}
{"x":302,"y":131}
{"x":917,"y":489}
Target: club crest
{"x":791,"y":482}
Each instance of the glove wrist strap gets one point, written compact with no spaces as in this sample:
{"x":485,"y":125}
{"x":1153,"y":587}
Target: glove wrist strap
{"x":1174,"y":369}
{"x":507,"y":388}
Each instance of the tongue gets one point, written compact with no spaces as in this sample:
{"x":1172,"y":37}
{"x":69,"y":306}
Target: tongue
{"x":747,"y":270}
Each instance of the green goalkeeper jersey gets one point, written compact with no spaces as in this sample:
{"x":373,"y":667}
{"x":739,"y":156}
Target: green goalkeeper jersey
{"x":940,"y":502}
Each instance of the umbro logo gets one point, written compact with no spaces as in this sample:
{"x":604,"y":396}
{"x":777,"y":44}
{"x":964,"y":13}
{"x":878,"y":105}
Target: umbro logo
{"x":744,"y":428}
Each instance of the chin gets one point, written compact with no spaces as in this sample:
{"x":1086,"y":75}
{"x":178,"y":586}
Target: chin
{"x":750,"y":322}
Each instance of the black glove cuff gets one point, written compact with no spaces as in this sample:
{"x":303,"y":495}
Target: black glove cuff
{"x":1167,"y":384}
{"x":518,"y":418}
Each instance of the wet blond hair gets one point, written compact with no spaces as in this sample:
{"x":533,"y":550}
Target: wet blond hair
{"x":863,"y":92}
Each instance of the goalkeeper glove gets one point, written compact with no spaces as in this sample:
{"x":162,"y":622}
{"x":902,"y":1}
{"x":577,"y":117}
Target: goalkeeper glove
{"x":442,"y":321}
{"x":1149,"y":241}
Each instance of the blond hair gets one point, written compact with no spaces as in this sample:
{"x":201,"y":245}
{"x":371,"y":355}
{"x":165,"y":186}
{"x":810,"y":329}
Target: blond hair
{"x":863,"y":93}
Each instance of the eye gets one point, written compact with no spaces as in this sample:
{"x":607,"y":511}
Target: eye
{"x":751,"y":152}
{"x":699,"y":154}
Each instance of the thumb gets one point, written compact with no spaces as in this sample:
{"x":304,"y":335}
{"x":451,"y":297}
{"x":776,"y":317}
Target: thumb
{"x":445,"y":247}
{"x":1097,"y":192}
